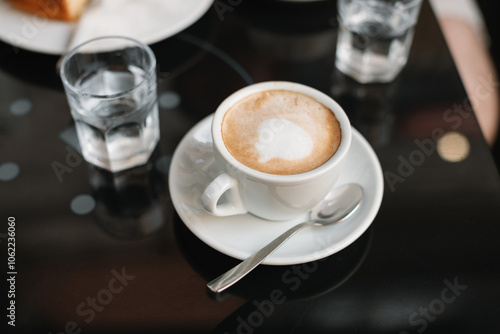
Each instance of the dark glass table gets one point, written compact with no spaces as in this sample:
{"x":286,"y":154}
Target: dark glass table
{"x":101,"y":253}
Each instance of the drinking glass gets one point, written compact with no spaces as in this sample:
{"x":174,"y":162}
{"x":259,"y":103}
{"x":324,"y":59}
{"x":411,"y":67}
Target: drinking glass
{"x":375,"y":37}
{"x":110,"y":84}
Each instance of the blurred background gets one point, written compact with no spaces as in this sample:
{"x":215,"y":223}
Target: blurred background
{"x":490,"y":13}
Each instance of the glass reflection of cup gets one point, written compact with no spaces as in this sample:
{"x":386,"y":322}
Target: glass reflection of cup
{"x":370,"y":107}
{"x":129,"y":204}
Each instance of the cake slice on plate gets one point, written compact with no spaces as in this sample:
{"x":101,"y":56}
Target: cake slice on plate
{"x":67,"y":10}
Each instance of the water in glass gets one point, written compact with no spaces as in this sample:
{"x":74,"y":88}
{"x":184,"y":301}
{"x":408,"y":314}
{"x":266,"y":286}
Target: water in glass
{"x":122,"y":130}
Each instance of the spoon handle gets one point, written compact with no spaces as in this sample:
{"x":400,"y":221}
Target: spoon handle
{"x":235,"y":274}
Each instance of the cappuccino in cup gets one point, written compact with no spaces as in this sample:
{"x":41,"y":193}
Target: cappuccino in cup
{"x":280,"y":147}
{"x":281,"y":132}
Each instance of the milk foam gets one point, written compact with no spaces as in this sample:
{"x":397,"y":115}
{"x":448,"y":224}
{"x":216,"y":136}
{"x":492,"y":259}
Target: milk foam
{"x":280,"y":132}
{"x":281,"y":138}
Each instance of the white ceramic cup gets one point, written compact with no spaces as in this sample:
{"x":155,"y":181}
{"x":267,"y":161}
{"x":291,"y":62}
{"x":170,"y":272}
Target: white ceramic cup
{"x":240,"y":189}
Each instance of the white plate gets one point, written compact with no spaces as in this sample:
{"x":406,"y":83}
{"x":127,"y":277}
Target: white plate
{"x":193,"y":167}
{"x":39,"y":34}
{"x":302,"y":0}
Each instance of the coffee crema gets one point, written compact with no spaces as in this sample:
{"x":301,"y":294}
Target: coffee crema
{"x":281,"y":132}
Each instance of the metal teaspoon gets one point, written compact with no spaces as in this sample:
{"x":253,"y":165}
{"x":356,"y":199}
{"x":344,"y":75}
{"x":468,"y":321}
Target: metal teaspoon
{"x":339,"y":204}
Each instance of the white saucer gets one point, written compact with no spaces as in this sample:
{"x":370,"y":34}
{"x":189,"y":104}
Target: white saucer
{"x":193,"y":167}
{"x":39,"y":34}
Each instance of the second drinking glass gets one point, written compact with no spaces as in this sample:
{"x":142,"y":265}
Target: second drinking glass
{"x":375,"y":37}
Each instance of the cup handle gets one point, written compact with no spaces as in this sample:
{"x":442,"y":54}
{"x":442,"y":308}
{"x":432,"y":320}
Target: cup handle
{"x":223,"y":184}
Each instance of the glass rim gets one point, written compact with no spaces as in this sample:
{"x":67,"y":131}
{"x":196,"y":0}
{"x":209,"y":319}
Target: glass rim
{"x":72,"y":52}
{"x":410,"y":4}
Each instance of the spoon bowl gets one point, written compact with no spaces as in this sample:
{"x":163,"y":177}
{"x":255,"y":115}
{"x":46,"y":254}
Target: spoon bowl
{"x":339,"y":204}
